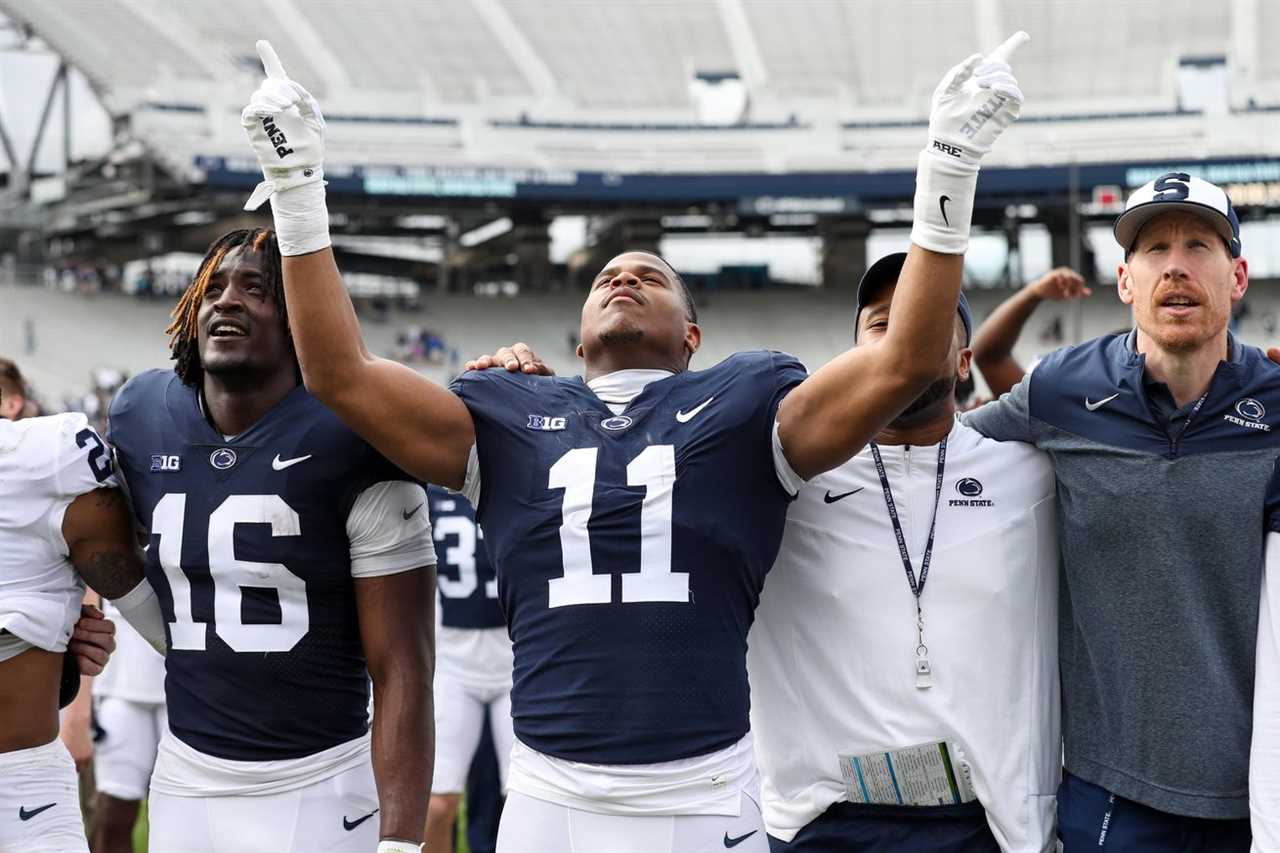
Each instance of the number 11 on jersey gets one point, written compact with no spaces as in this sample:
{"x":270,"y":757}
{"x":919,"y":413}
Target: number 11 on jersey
{"x":575,"y":472}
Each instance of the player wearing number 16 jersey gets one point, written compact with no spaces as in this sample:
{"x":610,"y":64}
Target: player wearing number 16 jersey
{"x":631,"y":515}
{"x":292,"y":562}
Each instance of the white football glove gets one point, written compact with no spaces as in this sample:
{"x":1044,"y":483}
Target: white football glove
{"x":971,"y":107}
{"x":286,"y":129}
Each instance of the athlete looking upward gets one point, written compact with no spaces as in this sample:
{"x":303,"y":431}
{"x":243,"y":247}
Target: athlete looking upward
{"x":631,"y":515}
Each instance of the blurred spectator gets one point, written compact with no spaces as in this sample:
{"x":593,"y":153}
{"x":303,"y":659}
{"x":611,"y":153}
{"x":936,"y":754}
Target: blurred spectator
{"x":1053,"y":333}
{"x":1239,"y":312}
{"x":144,"y":285}
{"x":13,"y":390}
{"x":416,"y":344}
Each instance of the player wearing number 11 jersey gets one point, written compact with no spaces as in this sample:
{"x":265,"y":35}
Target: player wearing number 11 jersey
{"x":632,"y":514}
{"x":293,"y":563}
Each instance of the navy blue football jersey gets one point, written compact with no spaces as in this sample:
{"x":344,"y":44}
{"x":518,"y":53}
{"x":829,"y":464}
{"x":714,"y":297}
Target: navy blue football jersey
{"x":465,"y":577}
{"x":249,"y":555}
{"x":631,"y":550}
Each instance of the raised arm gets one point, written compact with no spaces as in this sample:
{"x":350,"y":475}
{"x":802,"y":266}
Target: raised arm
{"x":836,"y":411}
{"x":421,"y":426}
{"x":995,"y":339}
{"x":831,"y":415}
{"x":417,"y":424}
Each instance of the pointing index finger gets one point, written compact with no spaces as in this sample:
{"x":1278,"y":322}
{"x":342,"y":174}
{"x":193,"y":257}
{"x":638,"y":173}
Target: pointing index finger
{"x":1005,"y":51}
{"x":270,"y":62}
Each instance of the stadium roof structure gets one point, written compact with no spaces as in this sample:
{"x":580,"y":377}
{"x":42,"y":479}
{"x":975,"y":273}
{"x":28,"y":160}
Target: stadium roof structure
{"x":672,"y":102}
{"x":622,"y":85}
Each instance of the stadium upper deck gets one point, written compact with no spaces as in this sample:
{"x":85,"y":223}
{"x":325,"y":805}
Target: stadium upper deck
{"x":556,"y":85}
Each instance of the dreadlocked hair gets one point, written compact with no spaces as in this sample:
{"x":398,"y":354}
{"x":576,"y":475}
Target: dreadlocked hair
{"x":183,"y":332}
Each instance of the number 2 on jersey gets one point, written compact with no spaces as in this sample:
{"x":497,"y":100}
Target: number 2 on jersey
{"x":230,"y":574}
{"x":575,"y":472}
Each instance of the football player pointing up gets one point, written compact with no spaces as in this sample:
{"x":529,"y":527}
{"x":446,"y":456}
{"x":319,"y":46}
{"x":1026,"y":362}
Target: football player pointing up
{"x":631,"y":515}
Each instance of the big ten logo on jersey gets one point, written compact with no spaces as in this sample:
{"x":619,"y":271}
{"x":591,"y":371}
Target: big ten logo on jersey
{"x":546,"y":423}
{"x":165,"y":462}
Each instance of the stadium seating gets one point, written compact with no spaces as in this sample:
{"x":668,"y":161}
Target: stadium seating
{"x":843,"y":85}
{"x":76,"y":335}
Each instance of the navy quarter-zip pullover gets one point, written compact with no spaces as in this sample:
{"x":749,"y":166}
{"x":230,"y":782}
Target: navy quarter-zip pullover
{"x":1162,"y":521}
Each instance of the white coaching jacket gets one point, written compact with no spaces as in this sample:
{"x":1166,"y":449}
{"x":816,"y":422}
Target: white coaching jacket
{"x":832,"y":653}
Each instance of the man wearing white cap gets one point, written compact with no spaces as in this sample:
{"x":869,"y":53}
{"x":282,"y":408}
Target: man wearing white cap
{"x":1163,"y":442}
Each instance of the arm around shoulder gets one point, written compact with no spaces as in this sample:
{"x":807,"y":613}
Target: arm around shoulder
{"x":1007,"y":418}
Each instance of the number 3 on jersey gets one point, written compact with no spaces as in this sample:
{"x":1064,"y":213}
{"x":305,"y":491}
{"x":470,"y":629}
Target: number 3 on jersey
{"x":462,"y":556}
{"x":230,"y":575}
{"x":575,"y":472}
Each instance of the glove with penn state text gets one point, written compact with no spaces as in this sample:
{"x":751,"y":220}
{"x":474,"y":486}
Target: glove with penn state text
{"x":975,"y":102}
{"x":286,"y":129}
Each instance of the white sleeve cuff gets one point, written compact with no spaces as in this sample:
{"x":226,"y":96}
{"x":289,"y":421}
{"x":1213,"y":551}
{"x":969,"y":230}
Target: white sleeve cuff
{"x":471,"y":485}
{"x":141,"y":608}
{"x":790,"y":480}
{"x":389,"y":530}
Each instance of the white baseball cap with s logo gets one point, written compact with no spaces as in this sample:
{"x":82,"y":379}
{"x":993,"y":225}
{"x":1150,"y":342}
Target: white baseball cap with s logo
{"x":1179,"y":191}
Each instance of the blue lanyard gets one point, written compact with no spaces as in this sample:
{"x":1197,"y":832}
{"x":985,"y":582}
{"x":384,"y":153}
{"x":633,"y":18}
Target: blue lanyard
{"x":923,"y":670}
{"x":917,"y":589}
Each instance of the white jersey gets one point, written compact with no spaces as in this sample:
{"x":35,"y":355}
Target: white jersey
{"x":477,"y":657}
{"x":833,"y":649}
{"x":135,"y":671}
{"x":1264,"y":754}
{"x":45,"y":464}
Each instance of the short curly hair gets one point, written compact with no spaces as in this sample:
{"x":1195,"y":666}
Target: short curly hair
{"x":183,"y":332}
{"x":11,"y":380}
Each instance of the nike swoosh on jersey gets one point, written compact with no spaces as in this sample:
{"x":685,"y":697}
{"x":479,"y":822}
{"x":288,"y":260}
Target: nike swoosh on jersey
{"x":685,"y":417}
{"x":734,"y":842}
{"x":349,"y":825}
{"x":830,"y":498}
{"x":409,"y":513}
{"x":26,"y":814}
{"x":1093,"y":407}
{"x":279,"y":464}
